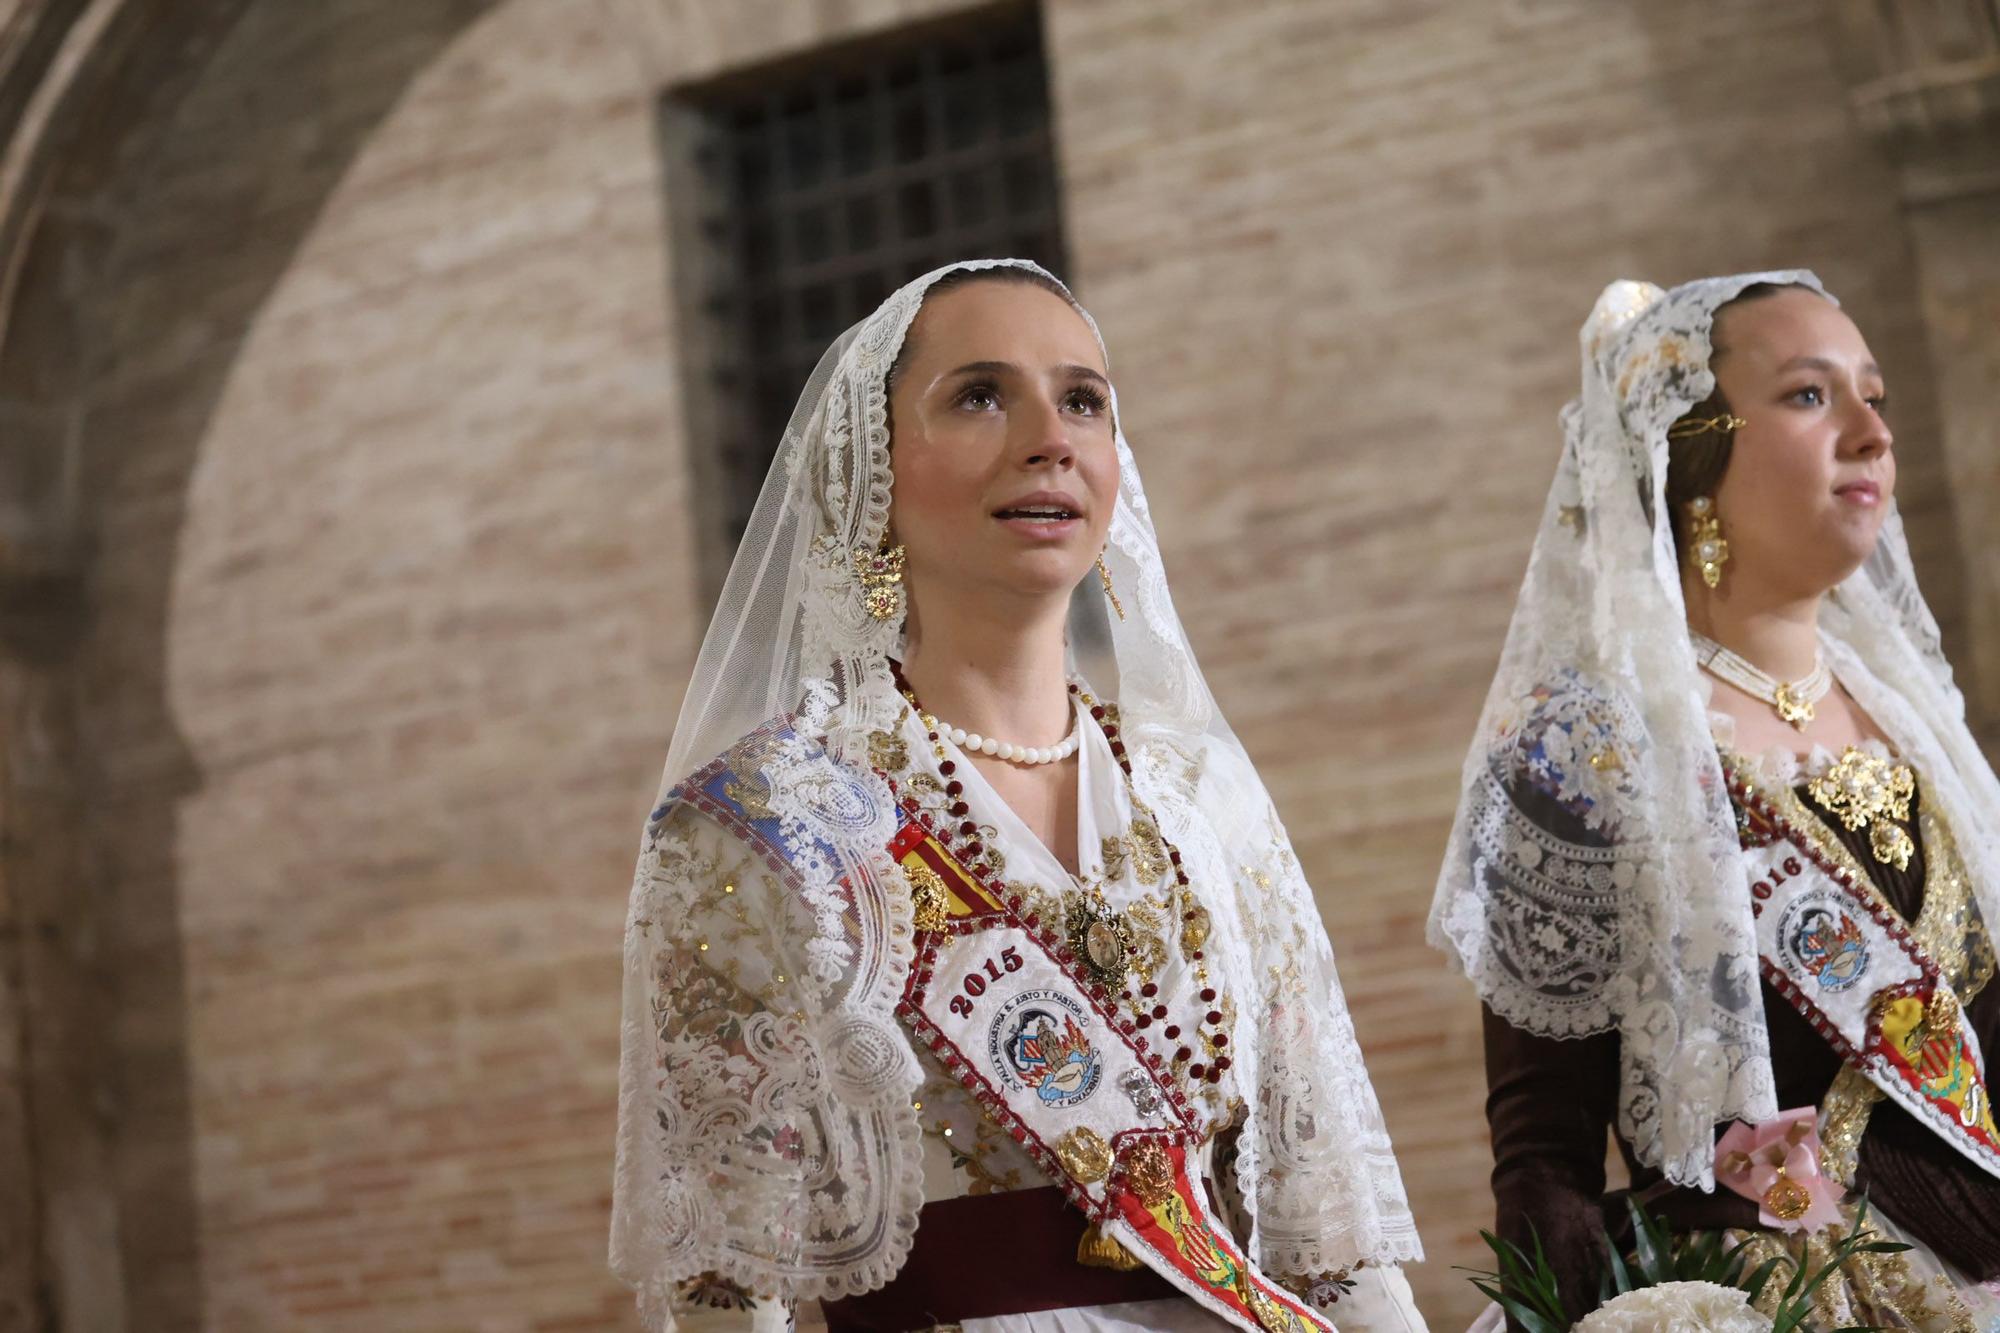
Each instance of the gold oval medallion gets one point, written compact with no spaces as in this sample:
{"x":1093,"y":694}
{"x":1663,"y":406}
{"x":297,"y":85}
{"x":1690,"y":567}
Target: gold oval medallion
{"x":1787,"y":1200}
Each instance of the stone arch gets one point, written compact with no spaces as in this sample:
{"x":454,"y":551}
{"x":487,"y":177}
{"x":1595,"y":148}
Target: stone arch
{"x":100,"y":1227}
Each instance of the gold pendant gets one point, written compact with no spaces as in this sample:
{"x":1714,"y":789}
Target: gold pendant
{"x":1099,"y":937}
{"x":1891,"y":844}
{"x":1791,"y":708}
{"x":1787,"y":1200}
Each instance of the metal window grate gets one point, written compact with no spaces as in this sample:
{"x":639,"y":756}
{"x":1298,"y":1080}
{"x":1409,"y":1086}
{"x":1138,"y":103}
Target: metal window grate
{"x":804,"y":193}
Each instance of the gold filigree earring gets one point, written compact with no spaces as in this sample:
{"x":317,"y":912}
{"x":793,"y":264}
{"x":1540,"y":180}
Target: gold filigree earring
{"x":1104,"y":577}
{"x":881,"y":574}
{"x":1706,"y":547}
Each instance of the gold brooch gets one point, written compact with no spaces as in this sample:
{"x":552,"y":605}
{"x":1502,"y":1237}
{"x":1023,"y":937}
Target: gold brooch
{"x":930,"y":900}
{"x":1085,"y":1155}
{"x":1148,"y":1172}
{"x":1941,"y":1014}
{"x":1862,"y":790}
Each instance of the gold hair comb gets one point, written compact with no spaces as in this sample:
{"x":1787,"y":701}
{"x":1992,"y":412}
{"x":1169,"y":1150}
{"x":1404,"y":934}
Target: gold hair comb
{"x":1722,"y":425}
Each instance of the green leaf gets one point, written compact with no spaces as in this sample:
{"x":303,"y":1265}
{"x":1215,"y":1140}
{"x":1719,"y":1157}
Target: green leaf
{"x":1620,"y":1279}
{"x":1760,"y":1275}
{"x":1655,"y":1260}
{"x":1525,"y":1286}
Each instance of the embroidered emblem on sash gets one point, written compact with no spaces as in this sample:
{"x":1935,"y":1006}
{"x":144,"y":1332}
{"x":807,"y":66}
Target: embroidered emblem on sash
{"x":1823,"y":942}
{"x":1036,"y":1042}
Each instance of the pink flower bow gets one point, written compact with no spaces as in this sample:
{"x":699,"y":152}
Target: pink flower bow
{"x":1776,"y":1165}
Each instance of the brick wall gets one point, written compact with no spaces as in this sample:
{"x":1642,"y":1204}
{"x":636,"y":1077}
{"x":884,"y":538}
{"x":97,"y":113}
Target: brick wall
{"x":1341,"y":258}
{"x":390,"y":606}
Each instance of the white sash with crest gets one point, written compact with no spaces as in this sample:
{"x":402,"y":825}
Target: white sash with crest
{"x":1000,"y":999}
{"x":1841,"y":955}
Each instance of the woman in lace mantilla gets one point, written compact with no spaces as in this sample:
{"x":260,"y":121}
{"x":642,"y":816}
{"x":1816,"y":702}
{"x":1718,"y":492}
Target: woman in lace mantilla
{"x":1727,"y":848}
{"x":945,"y":705}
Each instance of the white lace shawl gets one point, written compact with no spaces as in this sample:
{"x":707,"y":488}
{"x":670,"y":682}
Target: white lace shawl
{"x":766,"y":1133}
{"x":1593,"y":880}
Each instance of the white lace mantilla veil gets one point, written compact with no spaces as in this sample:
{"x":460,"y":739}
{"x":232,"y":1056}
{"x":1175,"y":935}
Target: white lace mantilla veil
{"x":1594,"y":880}
{"x":830,"y":1060}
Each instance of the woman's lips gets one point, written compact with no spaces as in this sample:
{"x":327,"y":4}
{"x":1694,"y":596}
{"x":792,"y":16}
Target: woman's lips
{"x":1860,"y":492}
{"x":1041,"y":529}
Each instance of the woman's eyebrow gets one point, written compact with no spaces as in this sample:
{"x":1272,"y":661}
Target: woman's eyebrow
{"x":1009,"y":368}
{"x":985,"y":368}
{"x":1822,"y":364}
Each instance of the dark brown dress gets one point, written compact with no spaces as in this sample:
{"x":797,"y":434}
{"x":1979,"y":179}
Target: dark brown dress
{"x":1550,"y":1103}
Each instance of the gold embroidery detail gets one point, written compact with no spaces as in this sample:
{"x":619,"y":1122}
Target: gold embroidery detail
{"x":1844,"y":1115}
{"x":1150,"y":863}
{"x":888,"y":752}
{"x":1148,"y":921}
{"x":1112,"y":851}
{"x":1085,"y":1155}
{"x":1034,"y":900}
{"x":746,"y":785}
{"x":1862,"y":790}
{"x":752,"y":794}
{"x":1950,"y":928}
{"x":1879,"y":1290}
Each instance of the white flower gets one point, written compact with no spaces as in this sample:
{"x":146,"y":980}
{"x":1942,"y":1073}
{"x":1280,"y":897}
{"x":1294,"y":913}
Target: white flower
{"x":1677,"y":1307}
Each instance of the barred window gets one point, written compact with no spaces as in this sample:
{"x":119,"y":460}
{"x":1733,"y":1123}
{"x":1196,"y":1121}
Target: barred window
{"x":801,"y":194}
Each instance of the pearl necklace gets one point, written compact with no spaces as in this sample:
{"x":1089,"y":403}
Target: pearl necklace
{"x":974,"y":743}
{"x":971,"y":741}
{"x":1794,"y":700}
